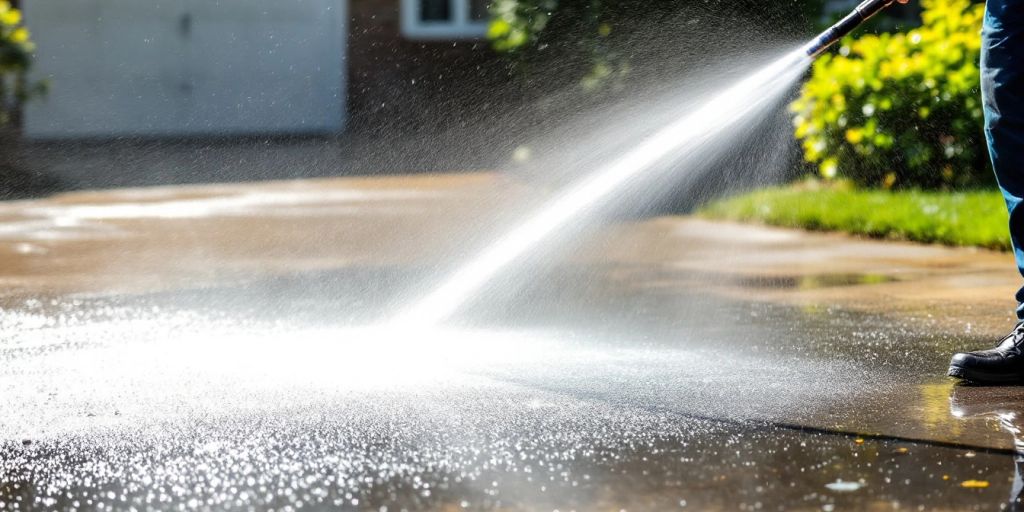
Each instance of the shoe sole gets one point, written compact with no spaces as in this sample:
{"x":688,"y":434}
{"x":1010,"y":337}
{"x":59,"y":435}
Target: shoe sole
{"x":960,"y":372}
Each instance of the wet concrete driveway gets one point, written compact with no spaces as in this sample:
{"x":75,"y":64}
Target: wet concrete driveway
{"x":227,"y":348}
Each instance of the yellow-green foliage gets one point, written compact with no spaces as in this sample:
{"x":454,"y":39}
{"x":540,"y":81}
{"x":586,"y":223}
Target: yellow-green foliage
{"x":900,"y":109}
{"x":15,"y":58}
{"x":516,"y":24}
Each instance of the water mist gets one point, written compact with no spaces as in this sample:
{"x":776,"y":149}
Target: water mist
{"x":698,"y":135}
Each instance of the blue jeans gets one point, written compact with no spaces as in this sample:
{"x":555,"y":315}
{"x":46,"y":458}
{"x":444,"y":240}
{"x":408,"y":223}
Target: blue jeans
{"x":1002,"y":91}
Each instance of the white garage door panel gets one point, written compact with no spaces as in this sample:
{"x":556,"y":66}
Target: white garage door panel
{"x":99,"y":73}
{"x":281,"y":81}
{"x":187,"y":67}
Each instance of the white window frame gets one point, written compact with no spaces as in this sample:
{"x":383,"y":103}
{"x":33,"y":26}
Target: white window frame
{"x":461,"y":25}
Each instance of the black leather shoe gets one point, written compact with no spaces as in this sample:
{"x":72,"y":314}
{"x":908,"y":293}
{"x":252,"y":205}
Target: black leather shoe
{"x":1001,"y":365}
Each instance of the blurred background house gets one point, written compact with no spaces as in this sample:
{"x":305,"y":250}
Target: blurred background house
{"x":253,"y":89}
{"x":243,"y":67}
{"x":170,"y":91}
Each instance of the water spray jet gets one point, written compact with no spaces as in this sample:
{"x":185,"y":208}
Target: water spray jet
{"x":694,"y":133}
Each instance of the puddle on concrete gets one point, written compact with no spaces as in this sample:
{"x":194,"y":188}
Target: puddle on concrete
{"x":1001,"y":406}
{"x":812,"y":282}
{"x":668,"y":279}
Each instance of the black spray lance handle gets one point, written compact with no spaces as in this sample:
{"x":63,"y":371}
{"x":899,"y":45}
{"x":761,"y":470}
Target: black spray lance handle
{"x":860,"y":14}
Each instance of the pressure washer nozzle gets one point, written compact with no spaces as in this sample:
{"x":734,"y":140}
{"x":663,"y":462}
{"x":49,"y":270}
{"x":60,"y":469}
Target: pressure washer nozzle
{"x":860,"y":14}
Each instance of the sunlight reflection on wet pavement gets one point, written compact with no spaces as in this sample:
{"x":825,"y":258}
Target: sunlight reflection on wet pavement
{"x":180,"y":409}
{"x":610,"y":385}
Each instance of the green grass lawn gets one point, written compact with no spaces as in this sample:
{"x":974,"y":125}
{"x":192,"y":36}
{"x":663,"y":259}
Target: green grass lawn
{"x":975,"y":218}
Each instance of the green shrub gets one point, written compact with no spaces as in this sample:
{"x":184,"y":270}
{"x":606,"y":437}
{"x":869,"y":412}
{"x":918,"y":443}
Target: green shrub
{"x":900,"y":109}
{"x":15,"y":59}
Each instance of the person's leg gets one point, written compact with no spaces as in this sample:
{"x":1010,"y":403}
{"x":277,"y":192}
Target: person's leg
{"x":1002,"y":90}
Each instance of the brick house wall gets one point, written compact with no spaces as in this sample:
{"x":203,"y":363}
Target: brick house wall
{"x":398,"y":85}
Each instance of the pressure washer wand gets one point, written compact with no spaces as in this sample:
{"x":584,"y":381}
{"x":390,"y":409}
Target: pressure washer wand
{"x":865,"y":10}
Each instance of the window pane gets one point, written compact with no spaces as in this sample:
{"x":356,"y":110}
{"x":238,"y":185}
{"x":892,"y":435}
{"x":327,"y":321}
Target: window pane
{"x":435,"y":10}
{"x":478,"y":9}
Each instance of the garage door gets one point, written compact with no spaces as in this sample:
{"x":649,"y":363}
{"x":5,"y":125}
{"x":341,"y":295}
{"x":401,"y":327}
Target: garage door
{"x":187,"y":67}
